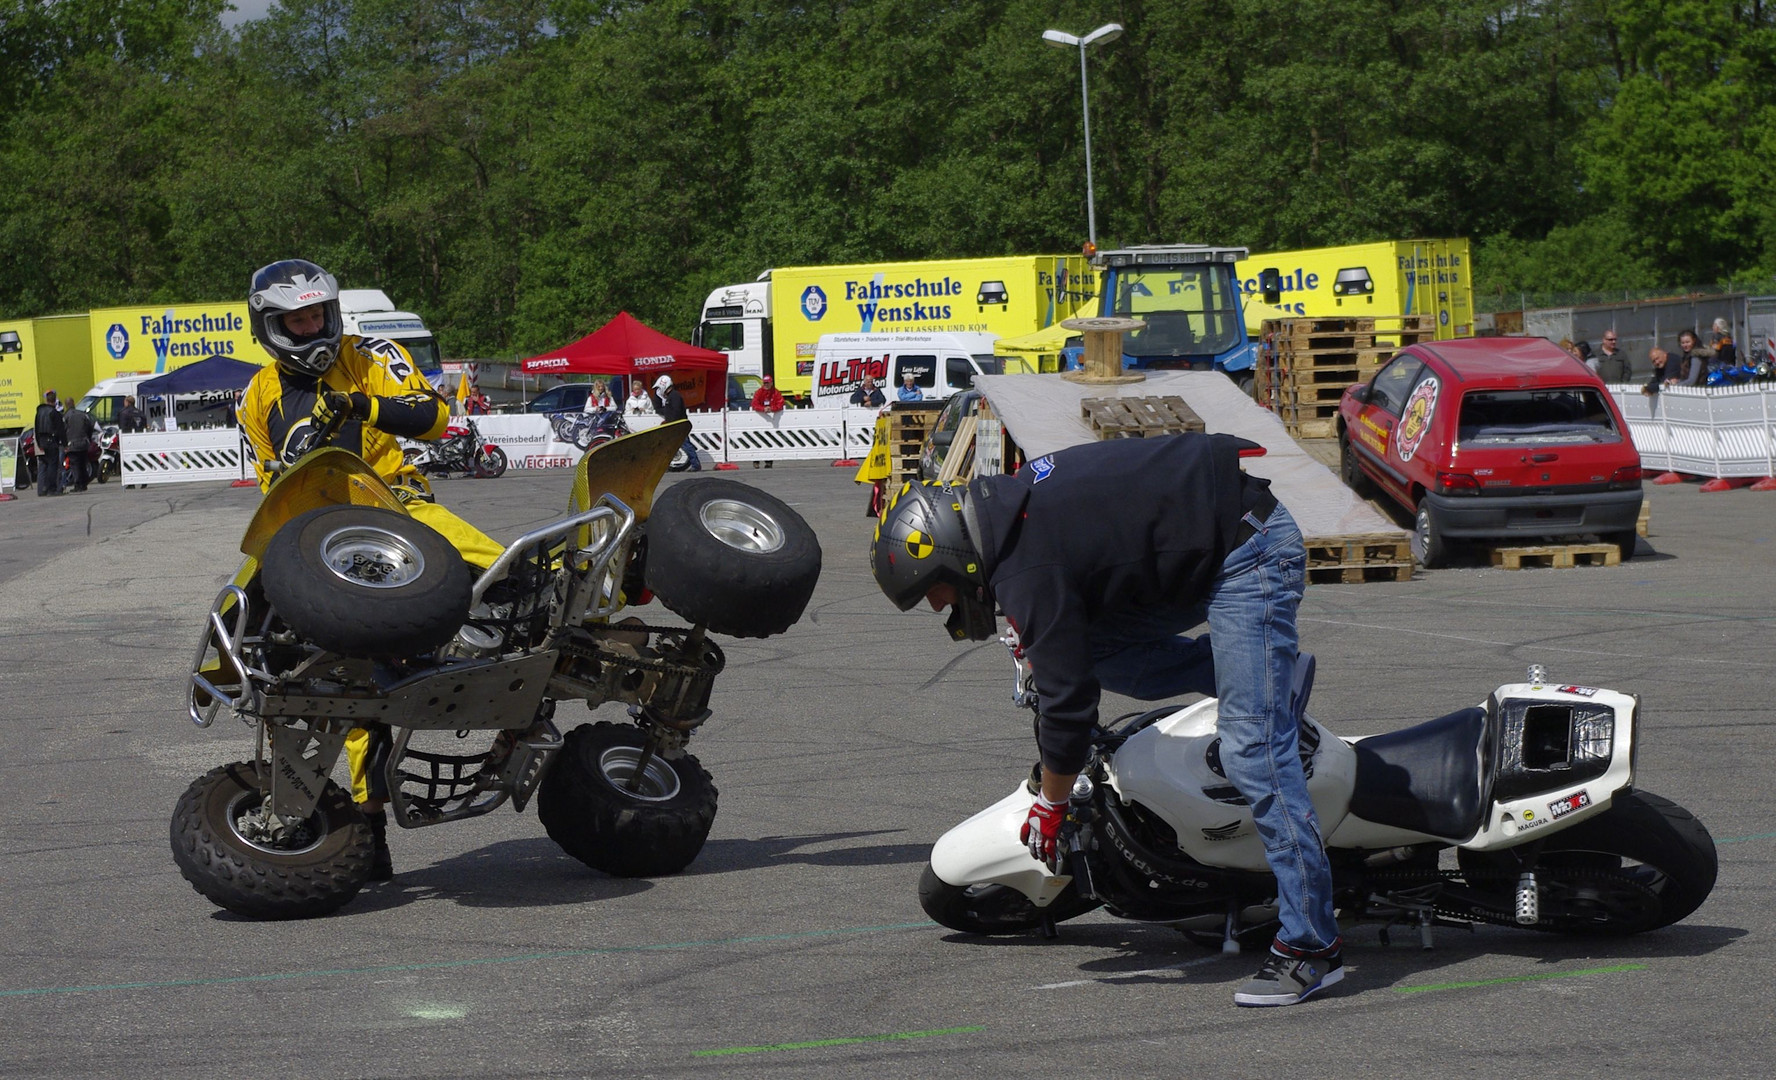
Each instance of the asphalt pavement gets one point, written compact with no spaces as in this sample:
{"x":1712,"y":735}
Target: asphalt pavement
{"x":794,"y":946}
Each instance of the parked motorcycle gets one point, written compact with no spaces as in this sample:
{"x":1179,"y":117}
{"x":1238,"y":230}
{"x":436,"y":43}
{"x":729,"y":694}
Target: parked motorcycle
{"x":463,"y":450}
{"x":103,"y":458}
{"x":350,"y":614}
{"x":588,"y":429}
{"x":1532,"y":790}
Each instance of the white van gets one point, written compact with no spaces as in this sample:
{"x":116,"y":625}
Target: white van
{"x":941,"y":364}
{"x":210,"y":408}
{"x":370,"y":313}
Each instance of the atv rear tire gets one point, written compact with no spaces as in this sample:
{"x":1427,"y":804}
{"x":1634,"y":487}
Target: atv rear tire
{"x":363,"y":581}
{"x":588,"y":810}
{"x":993,"y":909}
{"x":731,"y":557}
{"x":315,"y":873}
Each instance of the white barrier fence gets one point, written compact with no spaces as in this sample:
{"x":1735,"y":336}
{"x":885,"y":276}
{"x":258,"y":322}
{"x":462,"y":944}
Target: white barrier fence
{"x":532,"y":441}
{"x":1725,"y":431}
{"x":177,"y":457}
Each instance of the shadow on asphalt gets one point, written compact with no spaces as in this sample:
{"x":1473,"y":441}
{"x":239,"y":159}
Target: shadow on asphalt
{"x":726,"y":856}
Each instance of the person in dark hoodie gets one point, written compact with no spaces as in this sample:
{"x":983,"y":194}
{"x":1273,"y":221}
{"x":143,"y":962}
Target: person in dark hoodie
{"x":1100,"y":557}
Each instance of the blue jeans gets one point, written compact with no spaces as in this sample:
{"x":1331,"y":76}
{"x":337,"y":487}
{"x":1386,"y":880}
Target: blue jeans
{"x":691,"y":449}
{"x":1247,"y":660}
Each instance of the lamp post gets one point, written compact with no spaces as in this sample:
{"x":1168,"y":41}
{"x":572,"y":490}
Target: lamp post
{"x":1107,"y":32}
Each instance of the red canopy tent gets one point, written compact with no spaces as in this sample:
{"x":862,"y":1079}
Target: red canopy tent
{"x":626,"y":346}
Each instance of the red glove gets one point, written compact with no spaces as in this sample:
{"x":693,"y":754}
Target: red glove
{"x":1042,"y":832}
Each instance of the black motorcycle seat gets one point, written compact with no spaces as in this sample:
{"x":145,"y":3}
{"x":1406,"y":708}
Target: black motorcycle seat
{"x":1434,"y":778}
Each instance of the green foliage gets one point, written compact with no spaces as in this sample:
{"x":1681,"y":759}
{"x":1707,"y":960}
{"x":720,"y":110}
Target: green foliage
{"x":520,"y":170}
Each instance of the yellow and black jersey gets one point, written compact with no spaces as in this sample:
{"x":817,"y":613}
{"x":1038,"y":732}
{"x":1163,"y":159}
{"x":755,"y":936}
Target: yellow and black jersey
{"x":278,"y":408}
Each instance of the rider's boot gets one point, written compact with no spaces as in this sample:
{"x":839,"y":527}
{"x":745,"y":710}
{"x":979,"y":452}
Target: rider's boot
{"x":382,"y":866}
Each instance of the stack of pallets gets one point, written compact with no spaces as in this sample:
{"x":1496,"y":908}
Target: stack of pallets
{"x":1333,"y":560}
{"x":1310,"y":362}
{"x":908,"y":424}
{"x":1137,"y":417}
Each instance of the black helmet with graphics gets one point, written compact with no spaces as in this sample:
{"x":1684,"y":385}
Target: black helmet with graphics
{"x":923,"y":541}
{"x":287,"y":286}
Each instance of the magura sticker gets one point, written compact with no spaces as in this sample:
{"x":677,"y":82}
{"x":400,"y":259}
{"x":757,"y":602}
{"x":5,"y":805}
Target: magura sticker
{"x":1582,"y":691}
{"x":1576,"y":801}
{"x":1416,"y":419}
{"x":1042,"y":467}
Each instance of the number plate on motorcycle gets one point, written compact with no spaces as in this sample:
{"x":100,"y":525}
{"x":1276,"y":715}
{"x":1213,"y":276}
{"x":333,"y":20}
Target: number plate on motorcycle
{"x":1577,"y":801}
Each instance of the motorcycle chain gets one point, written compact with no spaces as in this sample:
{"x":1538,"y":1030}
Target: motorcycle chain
{"x":1506,"y":881}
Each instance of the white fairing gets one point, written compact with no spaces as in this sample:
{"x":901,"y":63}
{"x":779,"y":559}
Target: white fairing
{"x":985,"y":849}
{"x":1165,"y":768}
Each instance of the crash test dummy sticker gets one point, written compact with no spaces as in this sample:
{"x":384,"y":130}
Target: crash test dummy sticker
{"x":1416,"y":419}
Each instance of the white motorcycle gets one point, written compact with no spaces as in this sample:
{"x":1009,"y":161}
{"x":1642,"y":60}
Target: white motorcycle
{"x":1531,"y":790}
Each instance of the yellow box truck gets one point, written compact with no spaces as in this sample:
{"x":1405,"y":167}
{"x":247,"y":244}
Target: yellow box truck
{"x":773,"y":325}
{"x":1389,"y":277}
{"x":51,"y":353}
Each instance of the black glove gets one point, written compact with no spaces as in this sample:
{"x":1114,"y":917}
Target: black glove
{"x":334,"y":403}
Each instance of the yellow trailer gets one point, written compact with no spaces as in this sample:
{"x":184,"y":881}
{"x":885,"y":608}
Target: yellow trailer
{"x":1389,"y":277}
{"x":36,"y":355}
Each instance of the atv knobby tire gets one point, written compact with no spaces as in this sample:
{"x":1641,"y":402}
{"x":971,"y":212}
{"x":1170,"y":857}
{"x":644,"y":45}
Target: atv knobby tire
{"x":363,"y":581}
{"x":731,"y":557}
{"x":657,"y":829}
{"x":321,"y":870}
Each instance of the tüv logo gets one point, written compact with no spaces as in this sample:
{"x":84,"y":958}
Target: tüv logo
{"x":813,"y":303}
{"x":117,"y":341}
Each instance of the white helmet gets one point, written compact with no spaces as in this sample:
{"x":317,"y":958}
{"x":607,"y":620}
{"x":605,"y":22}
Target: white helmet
{"x":287,"y":286}
{"x":662,"y":384}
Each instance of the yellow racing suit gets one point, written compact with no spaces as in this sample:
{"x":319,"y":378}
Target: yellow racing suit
{"x":278,"y":411}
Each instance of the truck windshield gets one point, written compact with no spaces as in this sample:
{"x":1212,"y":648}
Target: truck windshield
{"x":1190,"y":311}
{"x":424,"y":352}
{"x":726,"y":336}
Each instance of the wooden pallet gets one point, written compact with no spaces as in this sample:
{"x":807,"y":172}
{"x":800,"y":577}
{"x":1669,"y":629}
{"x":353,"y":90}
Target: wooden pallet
{"x":1356,"y":575}
{"x":1643,"y":524}
{"x":1313,"y":429}
{"x":1559,"y":556}
{"x":1135,"y":417}
{"x":1350,"y":560}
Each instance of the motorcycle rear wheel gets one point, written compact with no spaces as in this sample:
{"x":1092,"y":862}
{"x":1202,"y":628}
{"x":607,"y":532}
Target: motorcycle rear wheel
{"x":490,"y":462}
{"x":315,"y":872}
{"x":588,"y":810}
{"x":992,"y":909}
{"x":1644,"y":863}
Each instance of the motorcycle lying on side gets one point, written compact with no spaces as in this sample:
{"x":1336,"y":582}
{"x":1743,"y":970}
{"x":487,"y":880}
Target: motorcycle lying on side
{"x":1532,"y":791}
{"x":351,"y":617}
{"x":462,"y":449}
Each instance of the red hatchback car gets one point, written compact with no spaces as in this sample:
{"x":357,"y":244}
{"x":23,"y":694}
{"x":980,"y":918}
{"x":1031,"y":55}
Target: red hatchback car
{"x":1494,"y":439}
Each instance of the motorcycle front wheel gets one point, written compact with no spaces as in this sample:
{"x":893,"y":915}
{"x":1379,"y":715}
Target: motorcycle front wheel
{"x":992,"y":909}
{"x":224,"y":846}
{"x":680,"y":461}
{"x":607,"y":807}
{"x":1644,"y":863}
{"x":490,"y":462}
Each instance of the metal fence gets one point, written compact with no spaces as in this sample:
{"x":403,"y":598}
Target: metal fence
{"x":1717,"y":431}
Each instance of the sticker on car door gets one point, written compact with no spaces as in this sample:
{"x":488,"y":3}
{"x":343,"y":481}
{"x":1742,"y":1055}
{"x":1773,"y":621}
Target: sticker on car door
{"x":1415,"y":419}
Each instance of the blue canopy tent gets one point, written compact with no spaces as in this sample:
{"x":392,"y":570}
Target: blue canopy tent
{"x":215,"y":372}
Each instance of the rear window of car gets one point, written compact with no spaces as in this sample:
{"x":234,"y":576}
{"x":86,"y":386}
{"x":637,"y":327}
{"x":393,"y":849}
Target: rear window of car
{"x":1535,"y":417}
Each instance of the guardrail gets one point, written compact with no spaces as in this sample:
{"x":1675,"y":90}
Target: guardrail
{"x":1720,"y":431}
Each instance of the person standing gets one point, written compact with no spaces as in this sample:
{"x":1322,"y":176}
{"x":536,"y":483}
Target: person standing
{"x":1613,"y":365}
{"x":869,"y":394}
{"x":768,"y":403}
{"x":1100,"y":556}
{"x":80,"y":431}
{"x":909,"y":391}
{"x":1726,"y":354}
{"x":48,"y":434}
{"x":670,"y":404}
{"x":638,"y":403}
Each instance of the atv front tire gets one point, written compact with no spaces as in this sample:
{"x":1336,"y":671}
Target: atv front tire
{"x":314,"y":872}
{"x":587,"y":807}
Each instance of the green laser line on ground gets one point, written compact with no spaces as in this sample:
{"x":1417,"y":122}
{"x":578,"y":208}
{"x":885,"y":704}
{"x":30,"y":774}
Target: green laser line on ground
{"x":852,"y":1041}
{"x":1427,"y":987}
{"x":1743,"y":839}
{"x":439,"y":965}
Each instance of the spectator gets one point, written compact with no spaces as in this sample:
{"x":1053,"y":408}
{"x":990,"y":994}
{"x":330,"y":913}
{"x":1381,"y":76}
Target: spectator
{"x":768,"y":403}
{"x":475,"y":404}
{"x":598,"y":399}
{"x":670,"y":404}
{"x":869,"y":394}
{"x":908,"y":391}
{"x":80,"y":429}
{"x":638,"y":403}
{"x":131,"y":418}
{"x":1613,"y":365}
{"x":1726,"y":354}
{"x":1684,"y":369}
{"x":1582,"y":350}
{"x":47,"y":437}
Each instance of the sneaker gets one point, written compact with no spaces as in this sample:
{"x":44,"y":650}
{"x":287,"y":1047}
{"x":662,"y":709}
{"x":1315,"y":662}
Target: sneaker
{"x":1287,"y":980}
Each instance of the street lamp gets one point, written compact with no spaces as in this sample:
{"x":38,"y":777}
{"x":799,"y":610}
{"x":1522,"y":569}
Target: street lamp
{"x":1107,"y":32}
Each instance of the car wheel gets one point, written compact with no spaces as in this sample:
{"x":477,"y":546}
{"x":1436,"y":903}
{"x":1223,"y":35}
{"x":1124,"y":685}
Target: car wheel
{"x":1624,"y":540}
{"x":1350,"y":471}
{"x":1429,"y":546}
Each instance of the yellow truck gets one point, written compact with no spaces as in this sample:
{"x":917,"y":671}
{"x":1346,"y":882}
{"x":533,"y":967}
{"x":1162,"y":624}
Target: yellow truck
{"x":773,"y":326}
{"x":36,"y":355}
{"x":1386,"y":278}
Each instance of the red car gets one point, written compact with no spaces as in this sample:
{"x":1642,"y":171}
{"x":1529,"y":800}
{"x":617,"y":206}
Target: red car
{"x":1492,"y":439}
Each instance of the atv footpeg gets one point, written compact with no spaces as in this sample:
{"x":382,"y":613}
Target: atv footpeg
{"x":429,"y":788}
